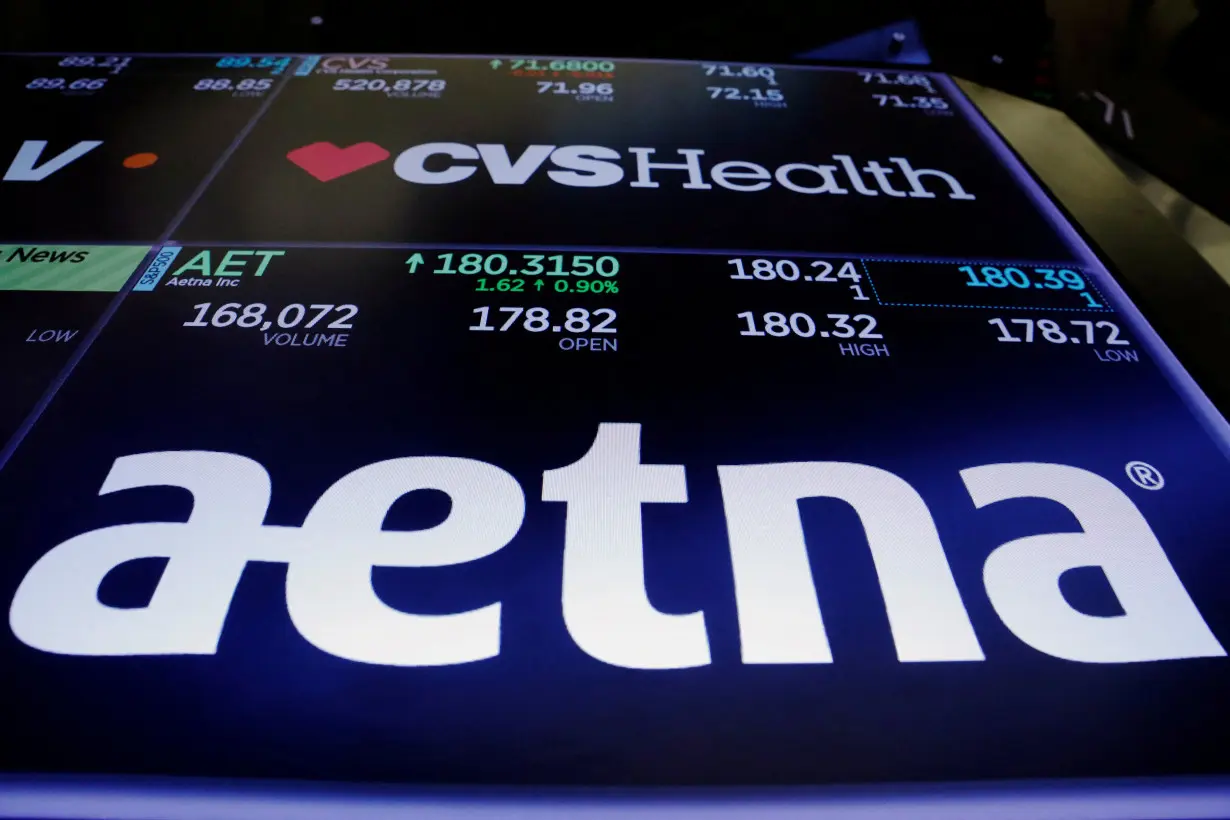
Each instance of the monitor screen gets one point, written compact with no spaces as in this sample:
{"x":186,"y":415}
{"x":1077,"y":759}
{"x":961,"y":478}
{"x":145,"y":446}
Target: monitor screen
{"x":581,"y":434}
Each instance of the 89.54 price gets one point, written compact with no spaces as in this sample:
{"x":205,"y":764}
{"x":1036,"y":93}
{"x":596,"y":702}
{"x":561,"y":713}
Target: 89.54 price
{"x":254,"y":315}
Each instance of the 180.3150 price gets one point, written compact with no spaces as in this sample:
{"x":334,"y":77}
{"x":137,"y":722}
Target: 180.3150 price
{"x":291,"y":316}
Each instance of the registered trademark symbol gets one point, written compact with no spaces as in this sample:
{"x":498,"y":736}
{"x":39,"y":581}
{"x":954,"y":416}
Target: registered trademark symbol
{"x":1145,"y":476}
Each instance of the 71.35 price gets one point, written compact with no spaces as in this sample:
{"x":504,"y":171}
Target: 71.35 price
{"x":936,"y":103}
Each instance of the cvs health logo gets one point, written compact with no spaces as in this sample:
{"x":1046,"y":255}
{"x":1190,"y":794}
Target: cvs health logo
{"x":597,"y":166}
{"x":605,"y":603}
{"x":326,"y":161}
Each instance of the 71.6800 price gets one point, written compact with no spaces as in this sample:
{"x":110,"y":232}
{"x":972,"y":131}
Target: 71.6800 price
{"x":253,"y":315}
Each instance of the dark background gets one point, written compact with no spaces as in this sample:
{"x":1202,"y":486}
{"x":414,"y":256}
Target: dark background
{"x":262,"y":197}
{"x":414,"y":381}
{"x":1018,"y":714}
{"x":1162,"y":60}
{"x":150,"y":106}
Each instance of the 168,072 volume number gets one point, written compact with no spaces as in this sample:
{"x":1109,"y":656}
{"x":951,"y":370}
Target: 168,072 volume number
{"x":293,"y":315}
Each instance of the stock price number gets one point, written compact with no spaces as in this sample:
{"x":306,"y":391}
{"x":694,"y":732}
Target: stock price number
{"x":838,"y":325}
{"x":744,"y":72}
{"x":61,"y":84}
{"x":887,"y":78}
{"x":531,"y":64}
{"x":277,"y":63}
{"x":1079,"y":331}
{"x":766,"y":270}
{"x":933,"y":103}
{"x":1040,"y":278}
{"x":529,"y":264}
{"x":116,"y":64}
{"x":539,"y":319}
{"x":423,"y":87}
{"x":253,"y":315}
{"x":223,"y":84}
{"x":583,"y":89}
{"x":770,"y":97}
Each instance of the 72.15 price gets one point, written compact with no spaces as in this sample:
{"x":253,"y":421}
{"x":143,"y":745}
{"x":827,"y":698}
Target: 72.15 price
{"x":234,"y":313}
{"x":754,"y":94}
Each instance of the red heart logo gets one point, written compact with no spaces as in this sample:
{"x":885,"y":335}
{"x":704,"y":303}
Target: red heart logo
{"x":326,"y":161}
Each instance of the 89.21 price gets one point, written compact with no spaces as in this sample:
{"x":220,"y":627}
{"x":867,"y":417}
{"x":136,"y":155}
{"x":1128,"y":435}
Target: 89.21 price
{"x":254,"y":315}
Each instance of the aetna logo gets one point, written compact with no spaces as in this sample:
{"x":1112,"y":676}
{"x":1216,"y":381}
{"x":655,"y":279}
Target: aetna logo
{"x":605,"y":602}
{"x":596,"y":166}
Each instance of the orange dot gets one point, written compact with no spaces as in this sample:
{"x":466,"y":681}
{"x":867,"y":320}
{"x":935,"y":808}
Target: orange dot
{"x":140,"y":160}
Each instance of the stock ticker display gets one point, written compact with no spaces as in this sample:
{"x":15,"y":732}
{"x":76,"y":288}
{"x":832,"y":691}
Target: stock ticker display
{"x":532,"y":421}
